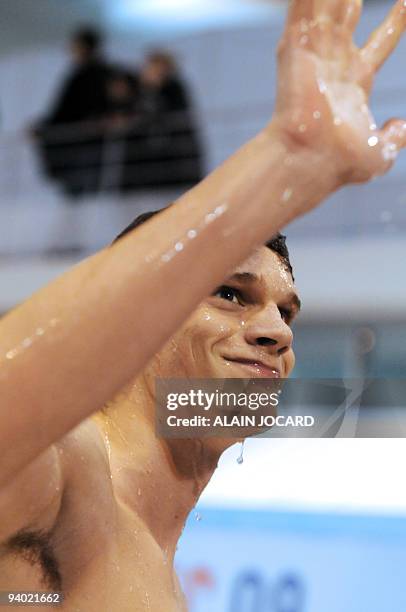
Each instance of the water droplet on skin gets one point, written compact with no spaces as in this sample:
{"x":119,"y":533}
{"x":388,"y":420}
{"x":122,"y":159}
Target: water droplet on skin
{"x":220,"y":210}
{"x":207,"y":317}
{"x":165,"y":258}
{"x":316,"y":114}
{"x":287,"y":194}
{"x":389,"y":151}
{"x":210,"y":217}
{"x":240,"y":459}
{"x":108,"y":446}
{"x":304,"y":25}
{"x":192,"y":234}
{"x":179,"y":247}
{"x":27,"y":342}
{"x":373,"y":141}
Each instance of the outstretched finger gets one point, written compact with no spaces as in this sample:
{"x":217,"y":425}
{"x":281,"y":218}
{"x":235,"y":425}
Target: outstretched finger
{"x":300,"y":9}
{"x":385,"y":39}
{"x":340,"y":12}
{"x":350,"y":14}
{"x":394,"y":137}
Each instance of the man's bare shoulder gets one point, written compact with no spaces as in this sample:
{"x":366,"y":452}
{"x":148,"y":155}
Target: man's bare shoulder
{"x":88,"y":491}
{"x":53,"y":545}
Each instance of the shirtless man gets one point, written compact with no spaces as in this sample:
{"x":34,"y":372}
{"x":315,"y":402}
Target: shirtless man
{"x":99,"y":502}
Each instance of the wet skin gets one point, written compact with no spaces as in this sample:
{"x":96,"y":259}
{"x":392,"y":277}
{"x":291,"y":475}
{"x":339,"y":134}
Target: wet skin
{"x":126,"y":493}
{"x":75,"y":344}
{"x":321,"y":137}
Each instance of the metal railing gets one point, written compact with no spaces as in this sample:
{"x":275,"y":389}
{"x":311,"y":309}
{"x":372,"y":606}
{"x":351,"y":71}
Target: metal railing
{"x":143,"y":163}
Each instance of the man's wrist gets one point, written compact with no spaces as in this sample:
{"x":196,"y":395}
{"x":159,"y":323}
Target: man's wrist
{"x":309,"y":175}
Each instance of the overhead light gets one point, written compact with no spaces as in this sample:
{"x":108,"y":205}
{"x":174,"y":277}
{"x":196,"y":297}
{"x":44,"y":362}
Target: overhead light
{"x":158,"y":14}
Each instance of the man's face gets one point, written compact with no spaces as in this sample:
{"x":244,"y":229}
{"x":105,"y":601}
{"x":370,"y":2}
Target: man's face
{"x":154,"y":72}
{"x":241,"y":331}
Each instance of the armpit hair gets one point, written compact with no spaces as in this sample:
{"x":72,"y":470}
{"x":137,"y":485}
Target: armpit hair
{"x":35,"y":548}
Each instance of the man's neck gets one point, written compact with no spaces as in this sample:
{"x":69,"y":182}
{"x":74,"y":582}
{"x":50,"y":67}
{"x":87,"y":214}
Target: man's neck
{"x":159,"y":480}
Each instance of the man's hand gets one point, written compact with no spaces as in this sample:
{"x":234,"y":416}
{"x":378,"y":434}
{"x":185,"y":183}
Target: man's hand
{"x":325,"y":82}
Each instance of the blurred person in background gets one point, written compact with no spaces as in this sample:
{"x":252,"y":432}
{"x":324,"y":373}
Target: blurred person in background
{"x":164,"y":150}
{"x":122,"y":95}
{"x":96,"y":506}
{"x":83,"y":94}
{"x":72,"y":153}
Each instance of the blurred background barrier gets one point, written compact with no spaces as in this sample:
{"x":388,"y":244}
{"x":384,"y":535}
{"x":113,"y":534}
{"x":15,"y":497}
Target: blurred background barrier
{"x":267,"y":561}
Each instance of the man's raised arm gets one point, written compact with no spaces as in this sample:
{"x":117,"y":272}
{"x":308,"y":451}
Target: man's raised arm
{"x":74,"y":344}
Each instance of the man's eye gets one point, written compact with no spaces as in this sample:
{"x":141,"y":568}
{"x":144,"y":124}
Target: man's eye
{"x":229,"y":294}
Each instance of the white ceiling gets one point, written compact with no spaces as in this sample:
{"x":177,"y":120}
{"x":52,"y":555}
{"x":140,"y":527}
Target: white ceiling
{"x":26,"y":23}
{"x":180,"y":15}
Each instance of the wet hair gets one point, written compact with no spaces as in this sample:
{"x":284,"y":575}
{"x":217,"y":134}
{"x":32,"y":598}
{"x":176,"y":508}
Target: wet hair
{"x":276,"y":244}
{"x":89,"y":37}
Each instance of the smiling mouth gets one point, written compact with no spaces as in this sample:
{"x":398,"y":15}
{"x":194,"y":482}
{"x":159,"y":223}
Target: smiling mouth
{"x":256,"y":368}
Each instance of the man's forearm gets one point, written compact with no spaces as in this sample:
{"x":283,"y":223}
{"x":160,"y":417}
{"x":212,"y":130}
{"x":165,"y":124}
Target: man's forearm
{"x":75,"y":343}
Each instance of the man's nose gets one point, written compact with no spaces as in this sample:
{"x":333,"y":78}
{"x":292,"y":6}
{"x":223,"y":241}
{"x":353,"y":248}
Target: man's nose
{"x":267,"y":329}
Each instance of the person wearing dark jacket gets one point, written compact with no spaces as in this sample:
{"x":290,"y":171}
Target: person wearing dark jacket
{"x":164,"y":149}
{"x":72,"y":154}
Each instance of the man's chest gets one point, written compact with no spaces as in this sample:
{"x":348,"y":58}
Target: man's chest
{"x":127,"y":572}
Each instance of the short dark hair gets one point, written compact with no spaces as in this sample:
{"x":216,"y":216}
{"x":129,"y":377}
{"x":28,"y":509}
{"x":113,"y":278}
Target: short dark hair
{"x":89,"y":37}
{"x":276,"y":244}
